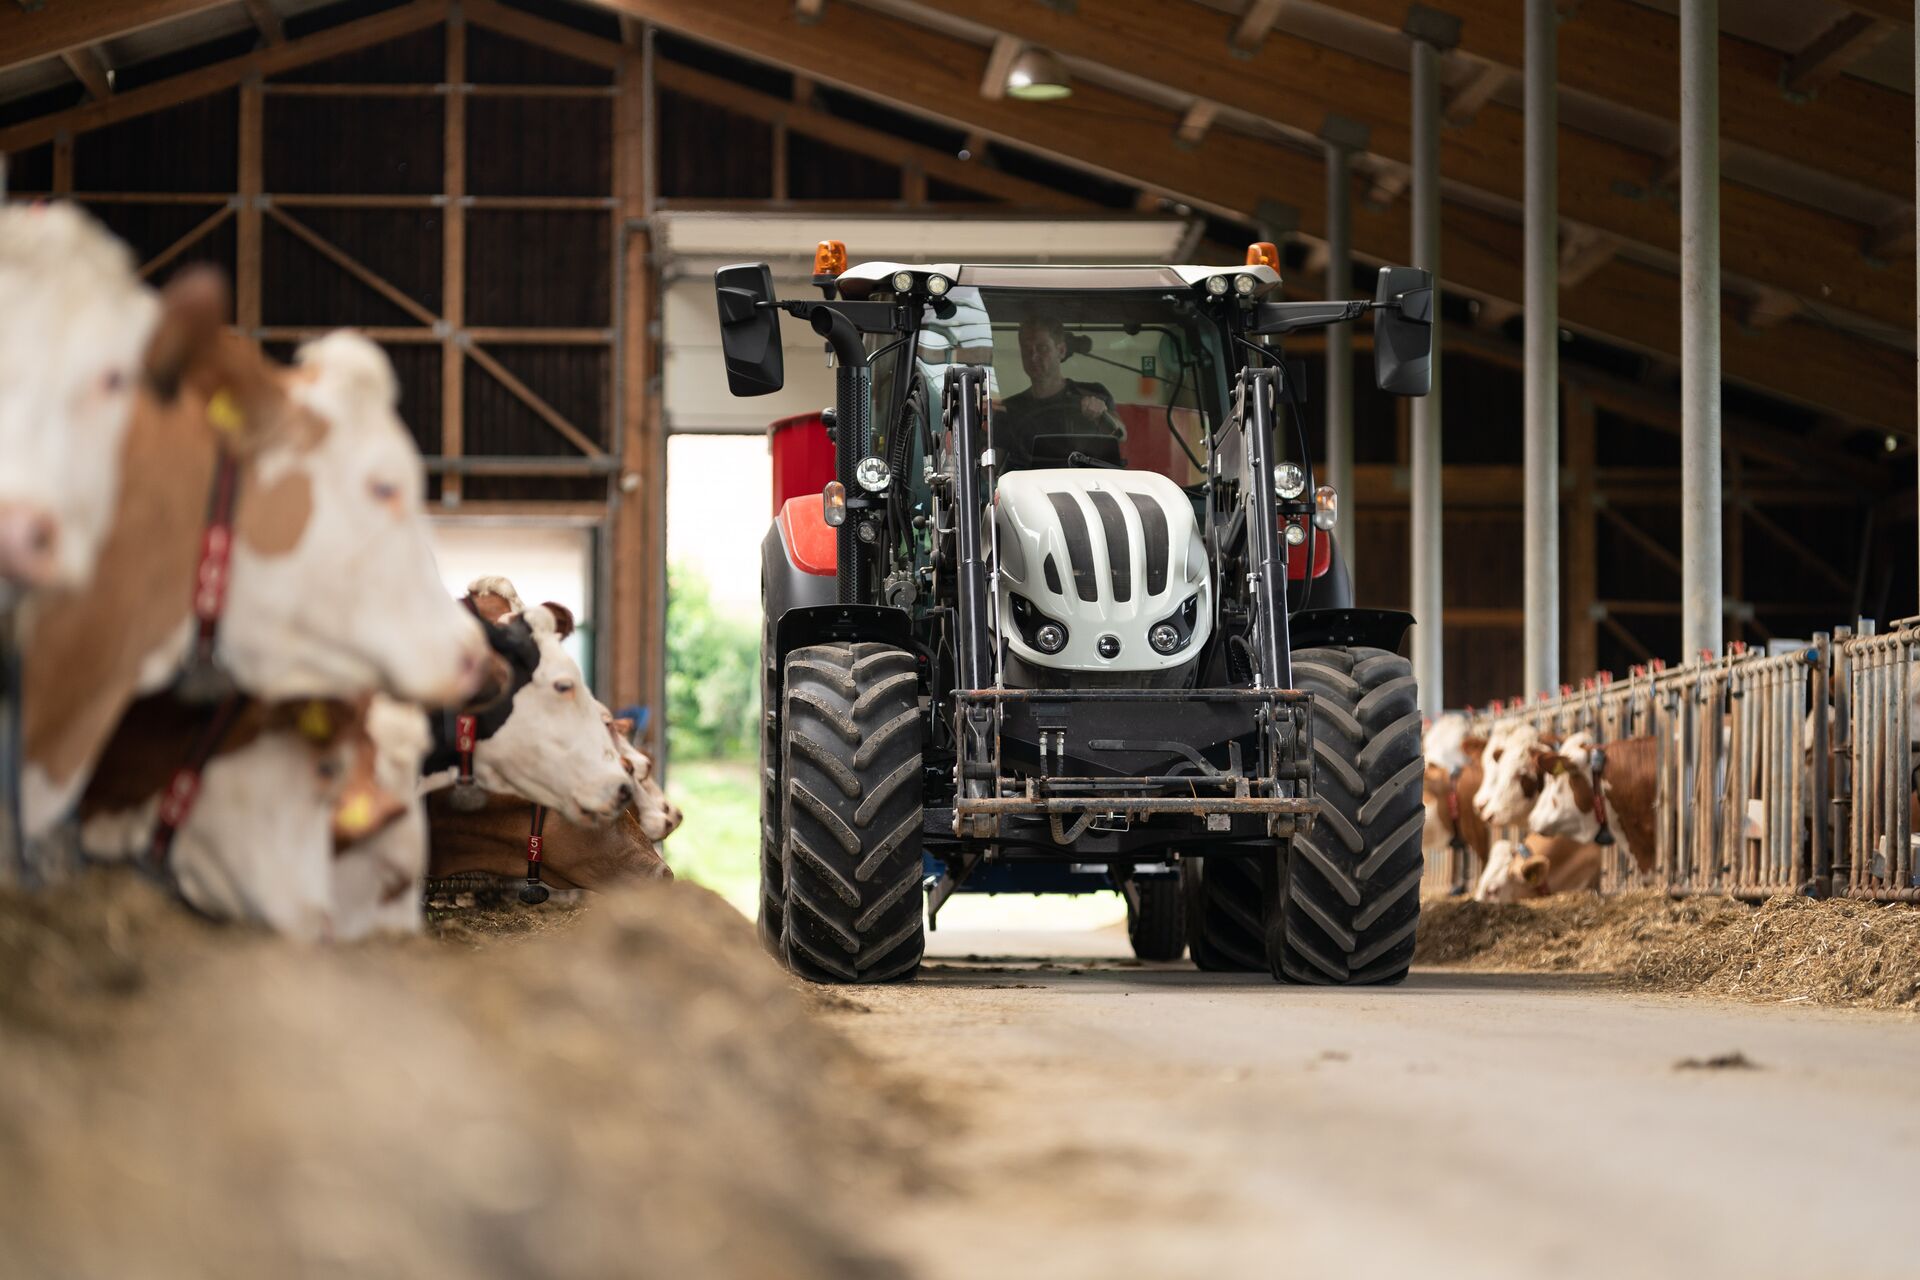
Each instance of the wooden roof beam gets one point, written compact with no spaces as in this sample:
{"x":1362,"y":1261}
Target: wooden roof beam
{"x":1625,"y":52}
{"x":161,"y":94}
{"x":1254,"y":24}
{"x":266,"y":20}
{"x":808,"y":10}
{"x":993,"y":81}
{"x":1833,"y":51}
{"x":46,"y":31}
{"x":1892,"y":238}
{"x":1195,"y":123}
{"x":1770,"y":307}
{"x":1582,"y":253}
{"x":90,"y":70}
{"x":1131,"y":141}
{"x":1463,"y":102}
{"x":1291,"y":83}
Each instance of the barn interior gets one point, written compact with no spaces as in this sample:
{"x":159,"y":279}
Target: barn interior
{"x":611,"y":152}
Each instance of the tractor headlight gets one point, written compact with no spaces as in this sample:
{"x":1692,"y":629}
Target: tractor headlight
{"x":1289,"y":481}
{"x":1296,"y":533}
{"x":903,"y":282}
{"x":1050,"y":637}
{"x":873,"y":474}
{"x":1326,"y":507}
{"x":1218,"y":285}
{"x":1036,"y":628}
{"x":1175,"y":631}
{"x":1244,"y":285}
{"x":938,"y":285}
{"x":1164,"y":638}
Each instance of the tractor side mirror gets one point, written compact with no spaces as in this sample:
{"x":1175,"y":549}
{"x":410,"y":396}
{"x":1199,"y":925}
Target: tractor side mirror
{"x":1403,"y":331}
{"x":750,"y":329}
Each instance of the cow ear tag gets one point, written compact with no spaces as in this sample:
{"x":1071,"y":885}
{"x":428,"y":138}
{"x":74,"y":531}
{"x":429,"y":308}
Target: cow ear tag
{"x":316,"y":722}
{"x":354,"y":817}
{"x":223,"y":413}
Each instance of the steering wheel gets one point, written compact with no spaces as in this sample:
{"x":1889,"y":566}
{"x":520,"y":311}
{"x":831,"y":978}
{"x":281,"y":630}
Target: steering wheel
{"x":1063,"y":418}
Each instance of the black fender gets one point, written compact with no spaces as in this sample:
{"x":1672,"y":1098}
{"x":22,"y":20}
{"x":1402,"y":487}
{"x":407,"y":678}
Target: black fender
{"x":801,"y":610}
{"x":1377,"y":628}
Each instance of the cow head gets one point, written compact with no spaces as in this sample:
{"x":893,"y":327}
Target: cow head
{"x":1510,"y":781}
{"x":73,"y":326}
{"x":377,"y":879}
{"x":1565,"y":803}
{"x":334,"y":589}
{"x":555,"y":748}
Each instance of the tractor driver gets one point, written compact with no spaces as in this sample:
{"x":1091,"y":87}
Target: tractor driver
{"x":1075,"y":416}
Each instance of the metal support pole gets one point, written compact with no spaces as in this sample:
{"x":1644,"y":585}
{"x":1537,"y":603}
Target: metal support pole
{"x":1342,"y":137}
{"x":1700,"y":527}
{"x":1542,"y":453}
{"x":1916,"y":189}
{"x":1425,"y":524}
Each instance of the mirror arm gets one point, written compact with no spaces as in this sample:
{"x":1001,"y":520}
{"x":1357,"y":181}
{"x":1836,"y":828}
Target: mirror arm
{"x":1290,"y":317}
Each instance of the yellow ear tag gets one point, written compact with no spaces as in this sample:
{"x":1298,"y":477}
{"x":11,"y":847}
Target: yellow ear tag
{"x":223,"y":412}
{"x":354,"y":815}
{"x":316,"y":722}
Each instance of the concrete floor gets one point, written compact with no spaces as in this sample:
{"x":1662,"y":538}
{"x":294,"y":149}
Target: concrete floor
{"x":1104,"y":1119}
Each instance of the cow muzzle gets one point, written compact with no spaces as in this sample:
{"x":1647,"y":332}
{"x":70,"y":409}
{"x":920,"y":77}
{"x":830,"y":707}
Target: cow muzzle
{"x":29,"y":545}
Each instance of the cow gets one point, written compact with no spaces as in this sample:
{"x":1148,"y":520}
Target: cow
{"x":321,"y":583}
{"x":547,"y":743}
{"x":75,"y":331}
{"x":1510,"y":781}
{"x":378,"y":877}
{"x":1628,"y":788}
{"x":1453,"y":774}
{"x":1538,"y":867}
{"x":275,"y":788}
{"x":493,"y":841}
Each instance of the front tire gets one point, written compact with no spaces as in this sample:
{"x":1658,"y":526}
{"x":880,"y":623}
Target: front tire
{"x":1350,"y":892}
{"x":851,"y":798}
{"x":1222,"y":897}
{"x":1156,"y":925}
{"x":769,"y":919}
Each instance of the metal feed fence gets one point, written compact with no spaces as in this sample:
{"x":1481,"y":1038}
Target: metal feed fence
{"x":1745,"y":766}
{"x":1872,"y":763}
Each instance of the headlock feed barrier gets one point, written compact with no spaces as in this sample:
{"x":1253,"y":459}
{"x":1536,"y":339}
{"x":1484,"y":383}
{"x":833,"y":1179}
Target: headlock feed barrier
{"x":1790,"y":772}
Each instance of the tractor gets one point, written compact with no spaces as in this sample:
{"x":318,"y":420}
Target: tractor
{"x":1067,"y":613}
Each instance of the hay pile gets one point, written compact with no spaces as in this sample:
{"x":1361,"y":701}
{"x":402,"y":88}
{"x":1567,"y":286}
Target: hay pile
{"x":1837,"y":952}
{"x":641,"y":1094}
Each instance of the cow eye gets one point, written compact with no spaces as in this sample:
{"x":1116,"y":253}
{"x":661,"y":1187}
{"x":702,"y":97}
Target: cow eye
{"x":563,"y":686}
{"x":112,"y":380}
{"x":328,"y":770}
{"x":383,"y":490}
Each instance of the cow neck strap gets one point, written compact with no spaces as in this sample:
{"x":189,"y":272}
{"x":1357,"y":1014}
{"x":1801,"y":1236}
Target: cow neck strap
{"x":534,"y":892}
{"x":1459,"y":841}
{"x":183,"y":789}
{"x":202,"y":680}
{"x":1603,"y":836}
{"x":466,"y":734}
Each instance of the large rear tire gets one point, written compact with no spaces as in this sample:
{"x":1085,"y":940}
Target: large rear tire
{"x":1157,"y":925}
{"x":1350,"y":895}
{"x":851,"y":798}
{"x":1223,"y":897}
{"x":769,"y":920}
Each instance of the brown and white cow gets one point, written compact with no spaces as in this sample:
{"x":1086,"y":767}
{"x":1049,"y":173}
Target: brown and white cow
{"x":331,"y":589}
{"x":549,"y":745}
{"x":1628,"y":786}
{"x":378,"y":878}
{"x":493,"y":841}
{"x":283,"y":785}
{"x":1511,"y":780}
{"x":75,"y":323}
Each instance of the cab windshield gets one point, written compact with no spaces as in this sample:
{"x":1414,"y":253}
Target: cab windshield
{"x":1120,"y":378}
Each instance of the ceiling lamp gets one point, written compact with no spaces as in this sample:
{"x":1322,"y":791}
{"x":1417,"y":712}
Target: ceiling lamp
{"x":1037,"y":76}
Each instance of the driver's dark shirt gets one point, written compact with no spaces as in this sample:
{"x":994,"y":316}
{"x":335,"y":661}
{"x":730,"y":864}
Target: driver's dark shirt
{"x":1025,"y":410}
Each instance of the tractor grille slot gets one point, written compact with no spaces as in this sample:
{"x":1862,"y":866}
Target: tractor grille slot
{"x":1079,"y":544}
{"x":1053,"y":578}
{"x":1119,"y":550}
{"x":1153,"y":524}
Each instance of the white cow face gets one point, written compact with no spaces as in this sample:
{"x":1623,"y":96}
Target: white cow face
{"x":1508,"y":784}
{"x":355,"y":602}
{"x":74,"y":325}
{"x":555,"y":748}
{"x":1565,"y":804}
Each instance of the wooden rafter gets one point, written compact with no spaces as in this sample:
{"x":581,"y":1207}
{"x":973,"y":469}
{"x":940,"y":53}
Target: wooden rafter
{"x":161,"y":260}
{"x":1464,"y":101}
{"x":993,"y":81}
{"x":1582,"y":253}
{"x":1833,"y":51}
{"x":1624,"y":52}
{"x":1640,"y":537}
{"x":203,"y":81}
{"x":1291,"y":83}
{"x":29,"y":33}
{"x":266,"y":20}
{"x":90,"y":70}
{"x":872,"y":143}
{"x":353,"y":266}
{"x":1254,"y":24}
{"x":1195,"y":123}
{"x":1131,"y":140}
